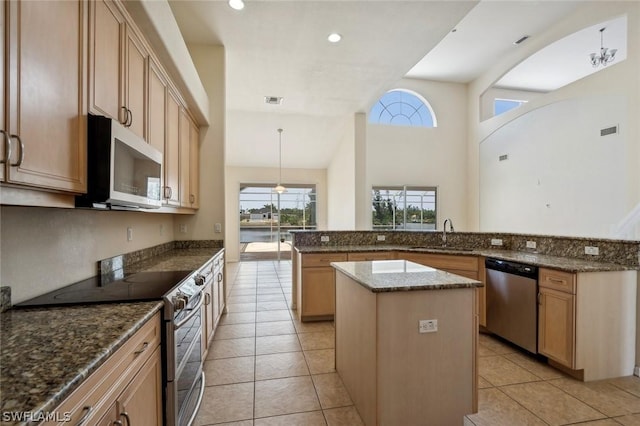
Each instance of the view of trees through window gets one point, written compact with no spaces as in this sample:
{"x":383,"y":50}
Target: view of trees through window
{"x":403,"y":208}
{"x":261,"y":208}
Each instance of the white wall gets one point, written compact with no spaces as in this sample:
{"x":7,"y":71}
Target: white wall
{"x":341,"y":189}
{"x":210,"y":63}
{"x":618,"y":87}
{"x":561,"y":177}
{"x":234,"y":176}
{"x":425,"y":156}
{"x":44,"y":249}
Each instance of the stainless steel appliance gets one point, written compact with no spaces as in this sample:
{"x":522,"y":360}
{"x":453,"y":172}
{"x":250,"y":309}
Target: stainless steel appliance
{"x":185,"y":381}
{"x":123,"y":171}
{"x":512,"y":307}
{"x":182,"y":293}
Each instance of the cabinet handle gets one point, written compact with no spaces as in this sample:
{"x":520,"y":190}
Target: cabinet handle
{"x":130,"y":115}
{"x":126,"y":417}
{"x":192,"y":198}
{"x":7,"y":147}
{"x":556,"y":280}
{"x":144,"y":348}
{"x":21,"y":159}
{"x":87,"y":410}
{"x":207,"y":299}
{"x":219,"y":276}
{"x":117,"y":423}
{"x":126,"y":116}
{"x":539,"y":298}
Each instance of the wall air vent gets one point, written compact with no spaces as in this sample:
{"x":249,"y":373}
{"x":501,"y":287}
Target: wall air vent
{"x":273,"y":100}
{"x":503,"y":157}
{"x":520,"y":40}
{"x":609,"y":131}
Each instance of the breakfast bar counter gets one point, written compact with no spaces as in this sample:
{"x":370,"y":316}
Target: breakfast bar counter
{"x":406,"y":339}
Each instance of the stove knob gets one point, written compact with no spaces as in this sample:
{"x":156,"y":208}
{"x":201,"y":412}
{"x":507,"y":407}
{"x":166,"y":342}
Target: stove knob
{"x":199,"y":280}
{"x":179,"y":302}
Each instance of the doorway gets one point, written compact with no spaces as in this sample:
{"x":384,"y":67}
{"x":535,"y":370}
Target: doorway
{"x":266,"y":217}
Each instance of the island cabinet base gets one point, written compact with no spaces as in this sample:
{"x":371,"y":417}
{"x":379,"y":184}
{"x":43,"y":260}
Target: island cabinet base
{"x":396,"y":375}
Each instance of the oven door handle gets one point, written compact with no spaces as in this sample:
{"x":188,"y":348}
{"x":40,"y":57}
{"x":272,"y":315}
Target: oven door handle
{"x":194,"y":311}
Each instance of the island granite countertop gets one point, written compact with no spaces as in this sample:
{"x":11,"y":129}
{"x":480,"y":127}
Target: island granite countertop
{"x":530,"y":258}
{"x":401,"y":275}
{"x":46,"y":353}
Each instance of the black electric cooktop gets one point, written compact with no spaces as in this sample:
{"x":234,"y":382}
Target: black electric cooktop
{"x":129,"y":288}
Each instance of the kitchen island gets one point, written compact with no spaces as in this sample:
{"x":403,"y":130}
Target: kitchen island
{"x":406,"y":338}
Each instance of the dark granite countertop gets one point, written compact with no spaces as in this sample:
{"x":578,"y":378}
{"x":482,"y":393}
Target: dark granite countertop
{"x":401,"y":275}
{"x":46,"y":353}
{"x":529,"y":258}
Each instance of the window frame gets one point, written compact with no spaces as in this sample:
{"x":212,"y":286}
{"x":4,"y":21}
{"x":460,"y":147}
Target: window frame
{"x":385,"y":107}
{"x":404,"y":190}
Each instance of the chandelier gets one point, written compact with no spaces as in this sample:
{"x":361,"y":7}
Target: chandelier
{"x":606,"y":55}
{"x":279,"y":188}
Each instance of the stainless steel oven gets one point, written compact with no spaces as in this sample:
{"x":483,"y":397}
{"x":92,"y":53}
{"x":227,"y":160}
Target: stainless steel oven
{"x":183,"y":333}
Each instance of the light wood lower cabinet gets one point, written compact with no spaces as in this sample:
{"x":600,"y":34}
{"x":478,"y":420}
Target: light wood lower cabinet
{"x":129,"y":381}
{"x":371,"y":255}
{"x":316,"y":285}
{"x":586,"y":322}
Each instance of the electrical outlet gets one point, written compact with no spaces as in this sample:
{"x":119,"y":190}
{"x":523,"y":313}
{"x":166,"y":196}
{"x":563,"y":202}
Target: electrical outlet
{"x":183,"y":228}
{"x":129,"y":234}
{"x":324,"y":238}
{"x":428,"y":326}
{"x":496,"y":242}
{"x":531,"y":244}
{"x":217,"y":228}
{"x":381,"y":238}
{"x":592,"y":250}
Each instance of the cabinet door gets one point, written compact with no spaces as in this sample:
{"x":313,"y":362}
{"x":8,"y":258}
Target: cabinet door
{"x":157,"y":107}
{"x":209,"y":314}
{"x":106,"y":36}
{"x":318,"y":291}
{"x":184,"y":158}
{"x":172,"y":152}
{"x":194,"y":165}
{"x":141,"y":401}
{"x":3,"y":127}
{"x":45,"y":93}
{"x":556,"y":327}
{"x":135,"y":84}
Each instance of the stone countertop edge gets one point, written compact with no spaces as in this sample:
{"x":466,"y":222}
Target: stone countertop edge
{"x":50,"y":397}
{"x":430,"y":279}
{"x":534,"y":259}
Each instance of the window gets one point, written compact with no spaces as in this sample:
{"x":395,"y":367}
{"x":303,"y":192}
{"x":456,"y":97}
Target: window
{"x":410,"y":208}
{"x":403,"y":108}
{"x":503,"y":105}
{"x":261,"y":208}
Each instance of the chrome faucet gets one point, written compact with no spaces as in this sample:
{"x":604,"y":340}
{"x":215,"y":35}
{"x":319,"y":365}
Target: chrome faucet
{"x":444,"y":231}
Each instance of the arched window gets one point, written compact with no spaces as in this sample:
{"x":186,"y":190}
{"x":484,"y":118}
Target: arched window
{"x":403,"y":108}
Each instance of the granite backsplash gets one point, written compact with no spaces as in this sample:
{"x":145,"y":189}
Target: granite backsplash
{"x":623,"y":252}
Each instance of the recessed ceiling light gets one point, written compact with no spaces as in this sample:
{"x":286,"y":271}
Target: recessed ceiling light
{"x":236,"y":4}
{"x":334,"y":37}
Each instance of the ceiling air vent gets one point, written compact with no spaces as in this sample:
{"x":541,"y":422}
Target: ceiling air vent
{"x":520,"y":40}
{"x":609,"y":131}
{"x":273,"y":100}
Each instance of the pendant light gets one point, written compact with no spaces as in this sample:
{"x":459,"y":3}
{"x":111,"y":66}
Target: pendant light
{"x":279,"y":188}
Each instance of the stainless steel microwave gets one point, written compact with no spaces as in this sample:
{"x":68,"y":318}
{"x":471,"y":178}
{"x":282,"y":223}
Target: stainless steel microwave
{"x":123,"y":171}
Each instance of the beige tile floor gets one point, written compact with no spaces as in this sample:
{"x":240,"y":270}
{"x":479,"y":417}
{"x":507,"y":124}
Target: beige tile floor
{"x":267,"y":368}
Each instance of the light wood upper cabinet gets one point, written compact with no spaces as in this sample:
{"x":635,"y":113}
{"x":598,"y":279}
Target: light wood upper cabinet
{"x":45,"y":94}
{"x":118,"y":67}
{"x":136,"y":84}
{"x":184,"y":158}
{"x":106,"y":53}
{"x":157,"y":107}
{"x":172,"y":152}
{"x":3,"y":127}
{"x":194,"y":165}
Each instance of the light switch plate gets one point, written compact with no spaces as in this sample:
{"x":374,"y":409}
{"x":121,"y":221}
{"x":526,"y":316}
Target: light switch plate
{"x":496,"y":242}
{"x":592,"y":250}
{"x":381,"y":238}
{"x":531,"y":244}
{"x":324,"y":238}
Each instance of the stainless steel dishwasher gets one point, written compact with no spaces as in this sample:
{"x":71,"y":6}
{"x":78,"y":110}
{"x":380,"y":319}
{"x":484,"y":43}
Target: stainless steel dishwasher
{"x":512,"y":306}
